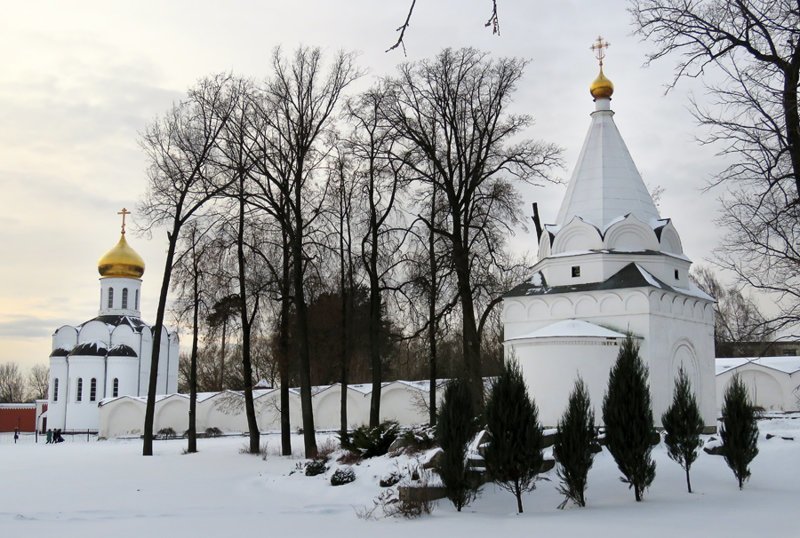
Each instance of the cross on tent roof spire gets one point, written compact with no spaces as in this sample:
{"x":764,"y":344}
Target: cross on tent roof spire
{"x":599,"y":47}
{"x":124,"y":212}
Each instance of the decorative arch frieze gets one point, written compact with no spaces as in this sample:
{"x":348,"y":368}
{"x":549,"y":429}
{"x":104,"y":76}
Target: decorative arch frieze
{"x":577,"y":235}
{"x":630,"y":234}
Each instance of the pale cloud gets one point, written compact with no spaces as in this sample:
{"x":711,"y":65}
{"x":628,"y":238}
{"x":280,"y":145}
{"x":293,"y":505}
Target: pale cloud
{"x":80,"y":81}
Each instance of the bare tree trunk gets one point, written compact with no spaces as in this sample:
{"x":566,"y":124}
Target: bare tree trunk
{"x":344,"y":294}
{"x":247,"y":368}
{"x":223,"y":349}
{"x":309,"y":433}
{"x":150,"y":408}
{"x":432,"y":316}
{"x":192,"y":440}
{"x":283,"y":347}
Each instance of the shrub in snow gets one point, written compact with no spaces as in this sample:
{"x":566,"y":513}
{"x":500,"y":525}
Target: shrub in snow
{"x":415,"y":439}
{"x":628,"y":417}
{"x":455,"y":426}
{"x":683,"y":425}
{"x":739,"y":430}
{"x":213,"y":432}
{"x":574,"y":445}
{"x":342,"y":476}
{"x":514,"y":454}
{"x":166,"y":433}
{"x":372,"y":442}
{"x":315,"y":467}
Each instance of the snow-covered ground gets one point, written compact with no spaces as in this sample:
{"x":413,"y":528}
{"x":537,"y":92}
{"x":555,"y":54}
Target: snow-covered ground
{"x":105,"y":488}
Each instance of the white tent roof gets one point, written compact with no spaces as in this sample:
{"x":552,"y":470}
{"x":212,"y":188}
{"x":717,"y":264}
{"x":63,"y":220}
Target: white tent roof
{"x":605,"y":184}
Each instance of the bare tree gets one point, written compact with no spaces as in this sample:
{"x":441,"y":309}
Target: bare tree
{"x":12,"y":383}
{"x":376,"y":174}
{"x":38,"y":382}
{"x":182,"y":178}
{"x":453,"y":111}
{"x":753,"y":46}
{"x":297,"y":110}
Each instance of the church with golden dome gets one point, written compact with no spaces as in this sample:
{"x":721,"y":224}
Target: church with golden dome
{"x":108,"y":356}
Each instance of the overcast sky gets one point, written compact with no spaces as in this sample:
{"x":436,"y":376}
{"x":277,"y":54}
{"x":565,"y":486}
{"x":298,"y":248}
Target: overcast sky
{"x":80,"y":80}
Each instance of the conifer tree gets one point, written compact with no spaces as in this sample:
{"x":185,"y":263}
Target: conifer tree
{"x":573,"y":446}
{"x":739,"y":430}
{"x":683,"y":425}
{"x":455,"y":427}
{"x":628,"y":418}
{"x":514,"y":454}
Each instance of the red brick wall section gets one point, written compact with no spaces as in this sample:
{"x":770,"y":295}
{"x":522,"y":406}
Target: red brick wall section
{"x":22,"y":417}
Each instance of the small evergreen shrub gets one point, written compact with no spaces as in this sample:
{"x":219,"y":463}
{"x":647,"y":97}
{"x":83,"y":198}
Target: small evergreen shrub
{"x":213,"y":432}
{"x":315,"y":467}
{"x":342,"y":476}
{"x":739,"y":430}
{"x":683,"y":425}
{"x":574,"y":446}
{"x":372,"y":442}
{"x":455,"y":427}
{"x":628,"y":418}
{"x":514,"y":454}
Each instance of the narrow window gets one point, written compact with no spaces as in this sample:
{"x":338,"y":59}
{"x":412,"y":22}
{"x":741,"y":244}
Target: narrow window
{"x":124,"y":297}
{"x":136,"y":305}
{"x":55,"y":390}
{"x":110,"y":297}
{"x":79,"y":395}
{"x":676,"y":274}
{"x":576,"y":271}
{"x":93,"y":390}
{"x":115,"y":392}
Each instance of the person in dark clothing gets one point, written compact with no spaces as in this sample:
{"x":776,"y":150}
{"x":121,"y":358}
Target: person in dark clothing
{"x":49,"y":436}
{"x":16,"y":435}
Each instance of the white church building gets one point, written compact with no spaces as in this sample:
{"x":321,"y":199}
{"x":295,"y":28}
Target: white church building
{"x":609,"y":265}
{"x":109,"y":355}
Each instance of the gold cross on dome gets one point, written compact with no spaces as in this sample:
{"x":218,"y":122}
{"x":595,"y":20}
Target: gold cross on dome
{"x":124,"y":212}
{"x":599,"y":47}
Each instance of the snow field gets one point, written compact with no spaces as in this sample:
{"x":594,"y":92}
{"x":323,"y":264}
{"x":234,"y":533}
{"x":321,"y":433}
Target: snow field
{"x":106,"y":488}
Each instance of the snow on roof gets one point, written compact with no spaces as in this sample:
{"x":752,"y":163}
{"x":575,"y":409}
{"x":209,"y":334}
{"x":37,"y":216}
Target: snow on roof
{"x":17,"y":406}
{"x":788,"y":365}
{"x":574,"y":328}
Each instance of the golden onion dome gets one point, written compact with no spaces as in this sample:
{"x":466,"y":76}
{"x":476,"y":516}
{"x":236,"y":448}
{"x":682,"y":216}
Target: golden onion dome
{"x":601,"y":88}
{"x":121,"y":261}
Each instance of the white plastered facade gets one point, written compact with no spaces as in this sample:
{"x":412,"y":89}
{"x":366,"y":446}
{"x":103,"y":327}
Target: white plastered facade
{"x":610,"y":265}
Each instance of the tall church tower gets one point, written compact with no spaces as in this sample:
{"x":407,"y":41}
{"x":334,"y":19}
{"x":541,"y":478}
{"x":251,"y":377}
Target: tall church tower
{"x":609,"y":265}
{"x":108,"y":356}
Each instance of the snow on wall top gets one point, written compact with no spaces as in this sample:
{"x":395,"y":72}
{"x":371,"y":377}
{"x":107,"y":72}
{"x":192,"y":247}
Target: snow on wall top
{"x":788,"y":365}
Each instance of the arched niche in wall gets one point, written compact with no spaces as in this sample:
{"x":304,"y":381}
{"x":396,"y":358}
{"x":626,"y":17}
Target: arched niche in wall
{"x":561,"y":308}
{"x":630,"y":234}
{"x":538,"y":309}
{"x":513,"y":310}
{"x":684,"y":355}
{"x":586,"y":305}
{"x":611,"y":304}
{"x":637,"y":302}
{"x":577,"y":236}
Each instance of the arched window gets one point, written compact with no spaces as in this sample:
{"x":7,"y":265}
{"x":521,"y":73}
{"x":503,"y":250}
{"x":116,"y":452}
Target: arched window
{"x":136,"y":305}
{"x":93,"y":390}
{"x":124,"y":297}
{"x":115,"y":392}
{"x":110,"y":297}
{"x":55,"y":390}
{"x":79,"y":394}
